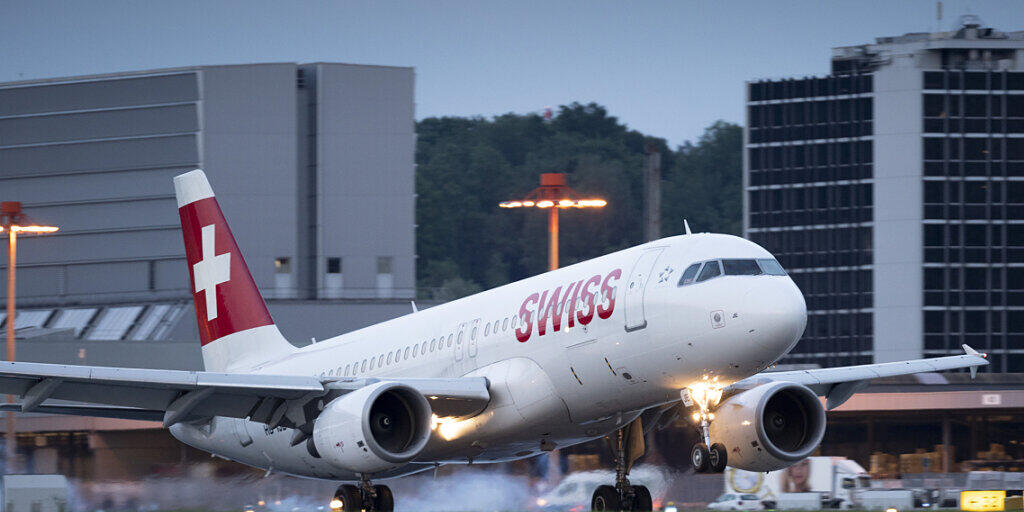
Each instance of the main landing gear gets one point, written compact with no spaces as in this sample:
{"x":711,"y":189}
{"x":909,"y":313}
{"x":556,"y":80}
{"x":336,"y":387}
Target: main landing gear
{"x":705,"y":457}
{"x":365,"y":496}
{"x":627,"y":446}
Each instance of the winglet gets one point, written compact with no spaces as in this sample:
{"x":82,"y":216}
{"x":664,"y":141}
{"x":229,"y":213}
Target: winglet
{"x":971,"y":352}
{"x":686,"y":225}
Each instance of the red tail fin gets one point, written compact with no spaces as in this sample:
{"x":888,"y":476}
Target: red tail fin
{"x":235,"y":327}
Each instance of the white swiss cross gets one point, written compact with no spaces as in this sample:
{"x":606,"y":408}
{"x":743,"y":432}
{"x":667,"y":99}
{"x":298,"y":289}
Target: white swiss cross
{"x":211,"y":271}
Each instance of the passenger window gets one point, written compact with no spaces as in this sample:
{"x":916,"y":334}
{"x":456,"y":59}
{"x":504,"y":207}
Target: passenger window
{"x":771,"y":267}
{"x":504,"y":324}
{"x":423,"y":349}
{"x":487,"y":330}
{"x":389,"y":357}
{"x":339,"y":371}
{"x":710,"y":270}
{"x":372,"y":361}
{"x":407,"y":352}
{"x":433,"y":344}
{"x":330,"y":373}
{"x":449,"y":341}
{"x":689,"y":274}
{"x":380,"y":361}
{"x":348,"y":368}
{"x":741,"y":268}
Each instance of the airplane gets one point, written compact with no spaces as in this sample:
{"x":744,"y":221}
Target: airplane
{"x":613,"y":346}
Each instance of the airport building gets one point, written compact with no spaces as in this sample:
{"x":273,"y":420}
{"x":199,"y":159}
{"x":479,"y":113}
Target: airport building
{"x":892,"y":189}
{"x":312,"y":165}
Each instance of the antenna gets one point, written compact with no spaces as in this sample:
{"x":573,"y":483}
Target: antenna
{"x":686,"y":225}
{"x":414,"y":308}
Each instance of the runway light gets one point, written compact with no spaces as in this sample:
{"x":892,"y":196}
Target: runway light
{"x":541,"y":502}
{"x":545,"y":204}
{"x":566,"y":203}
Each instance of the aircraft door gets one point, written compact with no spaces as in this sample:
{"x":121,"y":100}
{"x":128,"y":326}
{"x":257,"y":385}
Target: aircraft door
{"x":460,"y":342}
{"x":633,"y":300}
{"x":473,"y":333}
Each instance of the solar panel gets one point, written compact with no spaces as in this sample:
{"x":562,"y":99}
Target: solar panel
{"x":75,"y":319}
{"x":115,"y":323}
{"x":153,"y":317}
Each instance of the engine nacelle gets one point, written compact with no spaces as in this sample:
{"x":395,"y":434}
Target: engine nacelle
{"x":769,"y":427}
{"x":375,"y":428}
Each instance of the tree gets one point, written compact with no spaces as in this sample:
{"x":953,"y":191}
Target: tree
{"x":466,"y":166}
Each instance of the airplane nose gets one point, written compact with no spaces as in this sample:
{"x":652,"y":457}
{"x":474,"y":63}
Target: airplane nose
{"x":776,"y":314}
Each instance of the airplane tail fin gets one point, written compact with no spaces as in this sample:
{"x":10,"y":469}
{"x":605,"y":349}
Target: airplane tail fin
{"x":235,"y":328}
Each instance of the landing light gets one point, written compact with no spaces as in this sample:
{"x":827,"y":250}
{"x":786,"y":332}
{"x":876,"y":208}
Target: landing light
{"x":336,"y":504}
{"x":541,"y":502}
{"x":890,"y":509}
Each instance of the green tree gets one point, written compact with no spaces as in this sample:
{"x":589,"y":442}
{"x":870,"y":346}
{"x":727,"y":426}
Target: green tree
{"x":466,"y":166}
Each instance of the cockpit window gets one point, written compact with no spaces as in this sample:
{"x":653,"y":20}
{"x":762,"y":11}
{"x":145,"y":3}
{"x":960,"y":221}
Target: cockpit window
{"x":771,"y":267}
{"x":689,"y":274}
{"x":741,"y":267}
{"x":710,"y":270}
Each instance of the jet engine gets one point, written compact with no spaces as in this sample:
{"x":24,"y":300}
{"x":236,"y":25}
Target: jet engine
{"x":372,"y":429}
{"x":769,"y":427}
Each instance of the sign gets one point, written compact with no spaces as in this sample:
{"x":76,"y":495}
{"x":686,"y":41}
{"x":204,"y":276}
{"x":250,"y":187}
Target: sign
{"x":983,"y":501}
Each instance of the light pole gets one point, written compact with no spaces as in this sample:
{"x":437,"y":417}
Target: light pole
{"x":12,"y":222}
{"x":553,"y":194}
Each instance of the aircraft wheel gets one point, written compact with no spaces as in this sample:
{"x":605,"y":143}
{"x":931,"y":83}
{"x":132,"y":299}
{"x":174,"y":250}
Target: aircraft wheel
{"x":385,"y":501}
{"x":699,"y":458}
{"x":606,"y":498}
{"x":642,"y":499}
{"x":347,"y":499}
{"x":718,"y":457}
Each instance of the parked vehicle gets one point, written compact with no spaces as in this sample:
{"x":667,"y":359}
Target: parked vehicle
{"x":729,"y":501}
{"x":34,"y":493}
{"x":835,"y":482}
{"x":574,"y":491}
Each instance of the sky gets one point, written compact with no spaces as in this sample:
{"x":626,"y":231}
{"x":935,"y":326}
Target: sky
{"x":666,"y":68}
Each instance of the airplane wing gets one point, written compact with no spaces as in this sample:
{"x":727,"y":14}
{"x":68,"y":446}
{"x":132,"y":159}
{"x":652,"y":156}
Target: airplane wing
{"x":173,"y":396}
{"x":839,"y":384}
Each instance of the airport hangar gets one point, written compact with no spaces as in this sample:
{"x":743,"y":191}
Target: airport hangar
{"x":312,"y":165}
{"x":318,"y":144}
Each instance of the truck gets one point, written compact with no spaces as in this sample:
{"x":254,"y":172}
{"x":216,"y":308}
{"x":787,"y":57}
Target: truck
{"x":834,"y":482}
{"x":34,"y":493}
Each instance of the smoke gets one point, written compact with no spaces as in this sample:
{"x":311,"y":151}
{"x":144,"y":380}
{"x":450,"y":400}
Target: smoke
{"x":456,"y":488}
{"x":465,"y":489}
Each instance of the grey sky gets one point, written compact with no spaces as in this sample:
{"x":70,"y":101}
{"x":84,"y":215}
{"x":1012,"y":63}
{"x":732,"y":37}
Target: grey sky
{"x":667,"y":68}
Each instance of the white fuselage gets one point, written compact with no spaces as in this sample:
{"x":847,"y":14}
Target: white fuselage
{"x":647,"y":339}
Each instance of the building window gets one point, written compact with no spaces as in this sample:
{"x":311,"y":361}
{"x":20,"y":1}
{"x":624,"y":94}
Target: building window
{"x":385,"y":277}
{"x":384,"y":264}
{"x":282,"y":266}
{"x":334,"y":265}
{"x":333,"y":281}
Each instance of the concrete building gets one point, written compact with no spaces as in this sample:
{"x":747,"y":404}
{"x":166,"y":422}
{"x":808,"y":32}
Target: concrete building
{"x":892,"y":190}
{"x":312,"y":165}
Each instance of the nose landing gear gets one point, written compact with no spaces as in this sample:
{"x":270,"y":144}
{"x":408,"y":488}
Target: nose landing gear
{"x":627,"y":446}
{"x":705,"y":457}
{"x":364,"y":497}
